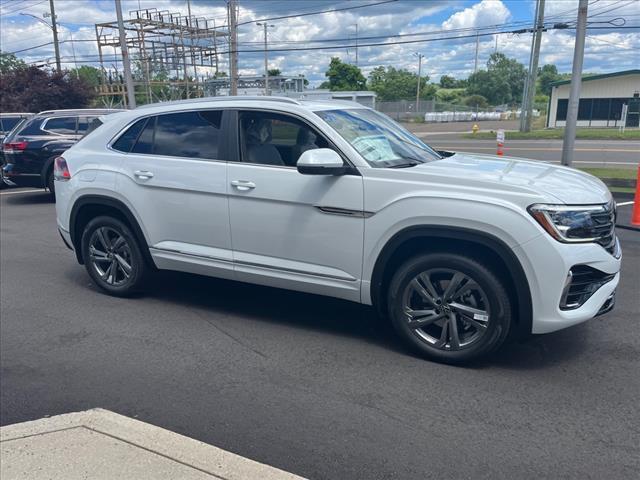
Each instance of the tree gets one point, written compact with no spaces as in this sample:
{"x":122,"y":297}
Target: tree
{"x":447,"y":81}
{"x":343,"y":76}
{"x":9,"y":62}
{"x":547,"y":74}
{"x":91,"y":75}
{"x":396,"y":84}
{"x":476,"y":101}
{"x":274,"y":72}
{"x":31,"y":89}
{"x":502,"y":81}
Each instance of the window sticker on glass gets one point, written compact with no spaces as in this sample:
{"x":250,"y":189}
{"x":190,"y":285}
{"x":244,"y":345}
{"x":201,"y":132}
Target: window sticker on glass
{"x":375,"y":148}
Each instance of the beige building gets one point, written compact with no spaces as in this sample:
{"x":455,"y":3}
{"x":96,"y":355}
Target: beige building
{"x":601,"y":100}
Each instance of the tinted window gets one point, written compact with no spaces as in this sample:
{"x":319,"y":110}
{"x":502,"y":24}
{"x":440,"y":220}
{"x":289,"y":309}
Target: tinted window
{"x":84,"y":122}
{"x":189,"y":134}
{"x":144,"y":144}
{"x":63,"y":125}
{"x":128,"y":138}
{"x":601,"y":108}
{"x":584,"y":109}
{"x":7,"y":123}
{"x":561,"y":113}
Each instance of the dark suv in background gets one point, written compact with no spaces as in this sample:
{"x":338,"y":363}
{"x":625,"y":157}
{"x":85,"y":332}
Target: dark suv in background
{"x":28,"y":152}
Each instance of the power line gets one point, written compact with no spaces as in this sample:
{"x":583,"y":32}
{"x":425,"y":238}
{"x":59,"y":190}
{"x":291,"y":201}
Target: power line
{"x":317,"y":13}
{"x":23,"y":7}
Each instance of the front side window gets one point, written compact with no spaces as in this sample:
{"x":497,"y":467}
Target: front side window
{"x":377,"y":138}
{"x":62,"y":125}
{"x":275,"y":139}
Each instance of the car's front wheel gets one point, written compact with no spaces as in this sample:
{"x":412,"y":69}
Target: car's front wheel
{"x":449,"y":307}
{"x":112,"y":256}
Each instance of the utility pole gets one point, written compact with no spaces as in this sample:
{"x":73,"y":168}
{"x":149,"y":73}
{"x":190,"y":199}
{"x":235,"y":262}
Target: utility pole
{"x":576,"y":83}
{"x":475,"y":66}
{"x":125,"y":56}
{"x":530,"y":88}
{"x":420,"y":57}
{"x":54,"y":27}
{"x":356,"y":25}
{"x":233,"y":47}
{"x":266,"y":57}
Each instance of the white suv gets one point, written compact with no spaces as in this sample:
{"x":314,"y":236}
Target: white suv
{"x":336,"y":199}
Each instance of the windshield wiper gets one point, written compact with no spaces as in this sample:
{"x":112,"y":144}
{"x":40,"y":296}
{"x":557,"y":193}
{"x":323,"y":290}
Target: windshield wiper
{"x":405,"y":165}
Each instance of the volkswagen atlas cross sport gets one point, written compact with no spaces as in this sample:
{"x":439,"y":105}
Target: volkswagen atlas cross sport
{"x":336,"y":199}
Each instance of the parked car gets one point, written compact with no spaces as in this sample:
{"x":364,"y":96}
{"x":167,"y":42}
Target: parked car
{"x":336,"y":199}
{"x":29,"y":150}
{"x":9,"y":120}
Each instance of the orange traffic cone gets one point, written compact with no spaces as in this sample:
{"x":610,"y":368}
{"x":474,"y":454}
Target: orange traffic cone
{"x":500,"y":152}
{"x":635,"y":215}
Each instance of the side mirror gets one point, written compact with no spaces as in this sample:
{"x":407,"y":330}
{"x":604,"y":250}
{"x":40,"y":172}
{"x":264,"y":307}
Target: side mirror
{"x":321,"y":161}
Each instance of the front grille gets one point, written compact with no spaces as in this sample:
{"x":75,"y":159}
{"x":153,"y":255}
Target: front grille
{"x":582,"y":282}
{"x":604,"y":227}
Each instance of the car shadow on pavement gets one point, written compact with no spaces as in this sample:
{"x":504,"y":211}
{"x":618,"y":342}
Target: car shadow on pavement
{"x":37,"y":197}
{"x":274,"y":305}
{"x":335,"y":316}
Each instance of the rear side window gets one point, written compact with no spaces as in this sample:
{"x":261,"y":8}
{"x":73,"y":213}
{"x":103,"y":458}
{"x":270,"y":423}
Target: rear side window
{"x":7,"y":123}
{"x":190,"y":134}
{"x":187,"y":134}
{"x":84,"y":123}
{"x":128,"y":139}
{"x":61,"y":125}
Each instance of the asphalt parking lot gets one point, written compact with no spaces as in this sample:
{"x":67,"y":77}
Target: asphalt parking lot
{"x":308,"y":384}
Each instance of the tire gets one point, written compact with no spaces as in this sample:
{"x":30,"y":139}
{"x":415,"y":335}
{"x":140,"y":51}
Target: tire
{"x":51,"y":184}
{"x":477,"y":305}
{"x":119,"y":250}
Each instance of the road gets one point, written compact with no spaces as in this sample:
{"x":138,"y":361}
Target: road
{"x":312,"y":385}
{"x":587,"y":153}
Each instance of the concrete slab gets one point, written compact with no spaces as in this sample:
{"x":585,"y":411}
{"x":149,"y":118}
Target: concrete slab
{"x":100,"y":444}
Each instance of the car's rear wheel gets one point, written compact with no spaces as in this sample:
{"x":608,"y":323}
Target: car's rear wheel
{"x":112,"y":256}
{"x":51,"y":184}
{"x":449,"y":307}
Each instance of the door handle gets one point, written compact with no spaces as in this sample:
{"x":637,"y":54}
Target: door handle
{"x":143,"y":174}
{"x":243,"y":185}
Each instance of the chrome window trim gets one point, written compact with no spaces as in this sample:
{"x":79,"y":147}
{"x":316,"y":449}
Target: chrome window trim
{"x":46,"y":120}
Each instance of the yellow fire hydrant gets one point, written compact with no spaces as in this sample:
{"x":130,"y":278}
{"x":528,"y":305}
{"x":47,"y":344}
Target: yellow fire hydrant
{"x":475,"y":128}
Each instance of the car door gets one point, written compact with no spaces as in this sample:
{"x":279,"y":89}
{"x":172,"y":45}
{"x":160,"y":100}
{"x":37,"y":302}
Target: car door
{"x":175,"y":176}
{"x":303,"y":232}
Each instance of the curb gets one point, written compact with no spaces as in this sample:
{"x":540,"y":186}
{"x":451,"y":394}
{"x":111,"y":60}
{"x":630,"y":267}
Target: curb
{"x":54,"y":445}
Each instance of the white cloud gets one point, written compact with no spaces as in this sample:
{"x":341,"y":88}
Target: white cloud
{"x":487,"y":12}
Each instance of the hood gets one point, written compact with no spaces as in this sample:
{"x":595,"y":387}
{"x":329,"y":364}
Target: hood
{"x":559,"y":184}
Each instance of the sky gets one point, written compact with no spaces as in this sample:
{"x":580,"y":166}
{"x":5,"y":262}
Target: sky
{"x":610,"y":46}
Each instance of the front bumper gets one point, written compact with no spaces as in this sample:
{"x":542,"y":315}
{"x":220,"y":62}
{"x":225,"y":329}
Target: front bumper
{"x":547,"y":263}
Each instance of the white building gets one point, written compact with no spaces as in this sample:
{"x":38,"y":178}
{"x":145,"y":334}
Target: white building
{"x":601,"y":100}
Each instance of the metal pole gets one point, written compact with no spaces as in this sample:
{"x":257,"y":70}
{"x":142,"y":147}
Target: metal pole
{"x":356,"y":24}
{"x":475,"y":66}
{"x":576,"y":83}
{"x":54,"y":27}
{"x":125,"y":56}
{"x":266,"y":60}
{"x":418,"y":87}
{"x":533,"y":71}
{"x":233,"y":50}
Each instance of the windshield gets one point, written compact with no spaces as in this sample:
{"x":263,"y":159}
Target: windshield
{"x":380,"y":140}
{"x":8,"y":123}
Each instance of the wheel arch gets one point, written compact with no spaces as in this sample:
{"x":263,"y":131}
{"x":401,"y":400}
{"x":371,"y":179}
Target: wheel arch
{"x":412,"y":240}
{"x":89,"y":206}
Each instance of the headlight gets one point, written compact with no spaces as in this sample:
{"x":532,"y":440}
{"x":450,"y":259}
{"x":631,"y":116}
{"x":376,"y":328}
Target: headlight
{"x":576,"y":223}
